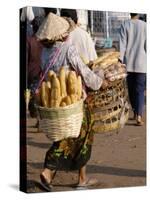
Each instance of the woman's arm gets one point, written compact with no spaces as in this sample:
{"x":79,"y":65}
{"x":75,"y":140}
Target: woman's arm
{"x":91,"y":80}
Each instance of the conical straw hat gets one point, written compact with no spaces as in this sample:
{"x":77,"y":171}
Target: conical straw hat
{"x":53,"y":28}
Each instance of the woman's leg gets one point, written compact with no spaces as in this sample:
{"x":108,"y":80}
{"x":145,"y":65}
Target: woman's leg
{"x":82,"y":175}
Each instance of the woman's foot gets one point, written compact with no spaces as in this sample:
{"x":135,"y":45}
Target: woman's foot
{"x":46,"y":178}
{"x":45,"y":184}
{"x":84,"y":182}
{"x":88,"y":182}
{"x":139,"y":121}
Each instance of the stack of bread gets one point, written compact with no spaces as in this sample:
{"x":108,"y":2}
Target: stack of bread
{"x":60,"y":90}
{"x":106,"y":60}
{"x":113,"y":70}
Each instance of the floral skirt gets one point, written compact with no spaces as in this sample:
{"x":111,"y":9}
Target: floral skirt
{"x":72,"y":153}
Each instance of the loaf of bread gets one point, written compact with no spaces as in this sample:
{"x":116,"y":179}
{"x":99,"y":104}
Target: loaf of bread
{"x":44,"y":95}
{"x":79,"y":87}
{"x":62,"y":79}
{"x":61,"y":90}
{"x":72,"y":83}
{"x":67,"y":100}
{"x":50,"y":74}
{"x":55,"y":97}
{"x":74,"y":98}
{"x":63,"y":104}
{"x":106,"y":59}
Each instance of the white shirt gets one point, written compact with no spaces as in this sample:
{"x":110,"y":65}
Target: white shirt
{"x":133,"y":45}
{"x":84,"y":44}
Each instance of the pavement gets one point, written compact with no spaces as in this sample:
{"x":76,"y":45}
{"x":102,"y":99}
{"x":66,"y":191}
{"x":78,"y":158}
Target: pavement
{"x":117,"y":160}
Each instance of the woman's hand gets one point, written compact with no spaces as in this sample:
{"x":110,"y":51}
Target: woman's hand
{"x":99,"y":72}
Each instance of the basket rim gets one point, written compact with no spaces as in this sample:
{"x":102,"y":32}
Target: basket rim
{"x":111,"y":84}
{"x":60,"y":108}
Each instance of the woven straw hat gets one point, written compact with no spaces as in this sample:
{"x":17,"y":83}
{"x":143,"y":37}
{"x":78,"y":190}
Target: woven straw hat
{"x":53,"y":28}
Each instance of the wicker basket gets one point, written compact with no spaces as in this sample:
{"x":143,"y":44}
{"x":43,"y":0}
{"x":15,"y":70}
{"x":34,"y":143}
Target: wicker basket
{"x":109,"y":118}
{"x":109,"y":106}
{"x":107,"y":127}
{"x":104,"y":97}
{"x":61,"y":123}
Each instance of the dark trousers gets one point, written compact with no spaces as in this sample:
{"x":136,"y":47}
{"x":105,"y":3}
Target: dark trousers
{"x":136,"y":87}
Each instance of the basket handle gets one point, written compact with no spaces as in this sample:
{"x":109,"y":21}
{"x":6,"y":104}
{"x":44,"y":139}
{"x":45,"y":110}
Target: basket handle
{"x":49,"y":65}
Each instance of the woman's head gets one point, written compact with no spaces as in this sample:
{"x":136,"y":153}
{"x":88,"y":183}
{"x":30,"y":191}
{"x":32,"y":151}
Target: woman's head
{"x":54,"y":28}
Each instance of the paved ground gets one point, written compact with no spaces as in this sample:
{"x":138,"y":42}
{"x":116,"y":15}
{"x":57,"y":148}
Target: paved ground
{"x":118,"y":160}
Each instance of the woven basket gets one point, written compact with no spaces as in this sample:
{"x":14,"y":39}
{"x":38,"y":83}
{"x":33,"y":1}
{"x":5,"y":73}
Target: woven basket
{"x":107,"y":107}
{"x":109,"y":118}
{"x":113,"y":126}
{"x":61,"y":123}
{"x":104,"y":97}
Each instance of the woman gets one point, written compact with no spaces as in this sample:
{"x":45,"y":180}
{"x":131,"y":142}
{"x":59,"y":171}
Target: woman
{"x":71,"y":153}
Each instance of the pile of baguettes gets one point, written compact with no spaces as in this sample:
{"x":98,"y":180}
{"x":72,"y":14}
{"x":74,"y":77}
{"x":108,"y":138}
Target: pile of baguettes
{"x":106,"y":59}
{"x":113,"y":70}
{"x":60,"y":90}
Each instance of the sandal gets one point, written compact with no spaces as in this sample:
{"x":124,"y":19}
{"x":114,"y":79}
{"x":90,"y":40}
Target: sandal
{"x":87,"y":183}
{"x":47,"y":186}
{"x":139,"y":121}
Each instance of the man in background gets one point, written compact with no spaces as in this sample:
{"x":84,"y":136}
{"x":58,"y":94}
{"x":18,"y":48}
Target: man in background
{"x":133,"y":53}
{"x":80,"y":38}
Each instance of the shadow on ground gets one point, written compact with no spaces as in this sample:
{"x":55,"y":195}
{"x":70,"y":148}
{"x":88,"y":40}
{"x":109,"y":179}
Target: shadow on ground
{"x":105,"y":170}
{"x":40,"y":145}
{"x":115,"y":171}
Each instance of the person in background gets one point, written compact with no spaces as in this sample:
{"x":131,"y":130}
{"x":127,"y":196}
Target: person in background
{"x":132,"y":47}
{"x":70,"y":153}
{"x":143,"y":17}
{"x":33,"y":63}
{"x":80,"y":38}
{"x":34,"y":47}
{"x":38,"y":11}
{"x":26,"y":18}
{"x":34,"y":50}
